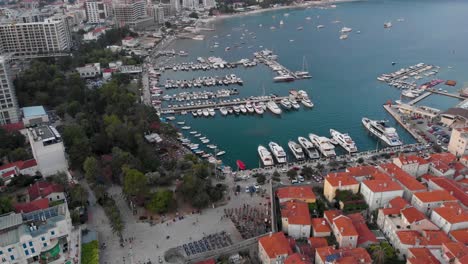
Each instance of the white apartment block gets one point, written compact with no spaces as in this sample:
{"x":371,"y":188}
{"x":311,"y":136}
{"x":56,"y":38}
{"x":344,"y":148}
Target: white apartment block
{"x":175,"y":6}
{"x":458,"y":144}
{"x":9,"y":111}
{"x":96,"y":12}
{"x":132,"y":14}
{"x":48,"y":150}
{"x":26,"y":39}
{"x":450,"y":217}
{"x":42,"y":234}
{"x":378,"y":193}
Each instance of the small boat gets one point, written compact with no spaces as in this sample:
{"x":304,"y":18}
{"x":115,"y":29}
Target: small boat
{"x":206,"y":112}
{"x":259,"y":109}
{"x":221,"y":153}
{"x":198,"y":135}
{"x":273,"y":107}
{"x":227,"y":49}
{"x":281,"y":22}
{"x":199,"y":152}
{"x":171,"y":118}
{"x":200,"y":112}
{"x":236,"y":109}
{"x":240,"y":164}
{"x":193,"y":146}
{"x":193,"y":132}
{"x":212,"y":112}
{"x":243,"y":109}
{"x":308,"y":18}
{"x":194,"y":113}
{"x":300,"y":28}
{"x":181,"y":123}
{"x":320,"y":26}
{"x":223,"y":111}
{"x":206,"y":155}
{"x":230,"y":111}
{"x":388,"y":25}
{"x":346,"y":30}
{"x":185,"y":127}
{"x":306,"y":102}
{"x":343,"y":36}
{"x":211,"y":146}
{"x":249,"y":108}
{"x":285,"y":103}
{"x":202,"y":138}
{"x":205,"y":141}
{"x":294,"y":104}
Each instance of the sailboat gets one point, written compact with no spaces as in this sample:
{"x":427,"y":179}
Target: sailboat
{"x":281,"y":22}
{"x":304,"y":74}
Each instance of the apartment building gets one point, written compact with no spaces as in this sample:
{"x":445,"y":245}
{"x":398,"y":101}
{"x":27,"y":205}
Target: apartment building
{"x":96,"y":12}
{"x":9,"y":111}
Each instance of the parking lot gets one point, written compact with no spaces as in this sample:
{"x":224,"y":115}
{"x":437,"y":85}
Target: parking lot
{"x":433,"y":132}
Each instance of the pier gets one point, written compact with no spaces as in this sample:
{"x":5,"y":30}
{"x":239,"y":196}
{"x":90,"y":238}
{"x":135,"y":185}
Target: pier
{"x":219,"y":104}
{"x":447,"y":94}
{"x":284,"y":74}
{"x":419,"y":98}
{"x":397,"y":117}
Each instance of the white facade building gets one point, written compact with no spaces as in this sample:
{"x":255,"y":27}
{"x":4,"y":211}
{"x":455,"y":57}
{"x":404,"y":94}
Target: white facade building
{"x":96,"y":12}
{"x":450,"y":217}
{"x":413,"y":165}
{"x":426,"y":201}
{"x":377,"y":193}
{"x":9,"y":112}
{"x":90,"y":70}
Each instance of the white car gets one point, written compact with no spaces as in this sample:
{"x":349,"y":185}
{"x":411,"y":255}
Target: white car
{"x":300,"y":178}
{"x":294,"y":181}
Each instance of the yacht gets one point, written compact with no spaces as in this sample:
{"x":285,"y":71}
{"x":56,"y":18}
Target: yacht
{"x":300,"y":28}
{"x":283,"y":78}
{"x":344,"y":140}
{"x":185,"y":127}
{"x":222,"y":152}
{"x":278,"y":152}
{"x":200,"y":112}
{"x":306,"y":102}
{"x":223,"y":111}
{"x":258,"y":109}
{"x":387,"y":25}
{"x":320,"y":26}
{"x":294,"y":104}
{"x":249,"y":108}
{"x":206,"y":112}
{"x":273,"y":107}
{"x":343,"y":36}
{"x":236,"y":109}
{"x":285,"y":103}
{"x":243,"y":109}
{"x":205,"y":141}
{"x":296,"y":150}
{"x":265,"y":156}
{"x":194,"y":113}
{"x":309,"y":148}
{"x":281,"y":22}
{"x":230,"y":110}
{"x":211,"y":146}
{"x":346,"y":30}
{"x":323,"y":145}
{"x":181,"y":123}
{"x":383,"y":132}
{"x":212,"y":112}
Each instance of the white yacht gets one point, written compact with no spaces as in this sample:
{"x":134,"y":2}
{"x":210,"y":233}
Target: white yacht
{"x":308,"y":147}
{"x":243,"y":109}
{"x":206,"y":113}
{"x":281,"y":22}
{"x":185,"y":127}
{"x":307,"y":102}
{"x":258,"y":109}
{"x":294,"y":104}
{"x":212,"y":112}
{"x":344,"y":140}
{"x":278,"y":152}
{"x":265,"y":156}
{"x":223,"y":111}
{"x":273,"y":107}
{"x":236,"y":109}
{"x":323,"y":145}
{"x":283,"y":78}
{"x":387,"y":25}
{"x":320,"y":26}
{"x":346,"y":30}
{"x":285,"y":103}
{"x":296,"y":150}
{"x":249,"y":108}
{"x":343,"y":36}
{"x":380,"y":130}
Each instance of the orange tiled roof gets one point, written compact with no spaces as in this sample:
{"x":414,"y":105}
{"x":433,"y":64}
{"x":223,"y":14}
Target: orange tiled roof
{"x":453,"y":214}
{"x":455,"y":250}
{"x":427,"y":238}
{"x":413,"y":215}
{"x":398,"y":202}
{"x":318,"y":242}
{"x":345,"y":255}
{"x":361,"y":171}
{"x":365,"y":235}
{"x":297,"y":258}
{"x":390,"y":211}
{"x":460,"y":235}
{"x":403,"y":177}
{"x":453,"y":187}
{"x":442,"y":161}
{"x":345,"y":226}
{"x":412,"y":159}
{"x":422,"y":255}
{"x":380,"y":176}
{"x":382,"y":186}
{"x":343,"y":178}
{"x":320,"y":225}
{"x":295,"y":192}
{"x":296,"y":212}
{"x":434,"y":196}
{"x":463,"y":181}
{"x":275,"y":244}
{"x":331,"y":214}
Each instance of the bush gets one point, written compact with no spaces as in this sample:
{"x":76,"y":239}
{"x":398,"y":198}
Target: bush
{"x":261,"y":179}
{"x":90,"y":253}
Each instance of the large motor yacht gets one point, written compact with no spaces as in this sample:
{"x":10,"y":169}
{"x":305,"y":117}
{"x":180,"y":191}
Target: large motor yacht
{"x":378,"y":128}
{"x":278,"y":152}
{"x":265,"y":156}
{"x":296,"y":150}
{"x":344,"y":140}
{"x":323,"y":145}
{"x":309,"y":148}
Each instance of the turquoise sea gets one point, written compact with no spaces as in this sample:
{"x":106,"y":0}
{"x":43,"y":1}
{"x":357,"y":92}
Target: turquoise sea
{"x":344,"y":87}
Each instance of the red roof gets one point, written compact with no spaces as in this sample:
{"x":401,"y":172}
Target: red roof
{"x":32,"y":206}
{"x":275,"y":244}
{"x":460,"y":235}
{"x":340,"y":178}
{"x":43,"y":189}
{"x":21,"y":165}
{"x":297,"y":258}
{"x":345,"y":226}
{"x":455,"y":250}
{"x":453,"y":214}
{"x":8,"y":174}
{"x":331,"y":214}
{"x":320,"y":225}
{"x":398,"y":202}
{"x":442,"y":161}
{"x":296,"y":212}
{"x":412,"y":159}
{"x":434,"y":196}
{"x":317,"y":242}
{"x":403,"y":177}
{"x":421,"y":255}
{"x":207,"y":261}
{"x":345,"y":255}
{"x":361,"y":171}
{"x":295,"y":192}
{"x":427,"y":238}
{"x":13,"y":127}
{"x":453,"y":188}
{"x":412,"y":215}
{"x":365,"y":235}
{"x":382,"y":186}
{"x":8,"y":166}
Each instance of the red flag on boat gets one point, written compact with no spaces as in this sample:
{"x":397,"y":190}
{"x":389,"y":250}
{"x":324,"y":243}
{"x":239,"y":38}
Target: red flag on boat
{"x":240,"y":165}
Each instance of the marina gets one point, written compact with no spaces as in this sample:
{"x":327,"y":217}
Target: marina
{"x":283,"y":74}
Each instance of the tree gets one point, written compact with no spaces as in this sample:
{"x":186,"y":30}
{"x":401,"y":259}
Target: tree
{"x":308,"y":172}
{"x":201,"y":200}
{"x":193,"y":15}
{"x":319,"y":167}
{"x":78,"y":196}
{"x":161,"y":201}
{"x":90,"y":167}
{"x":167,"y":24}
{"x":19,"y":154}
{"x":135,"y":182}
{"x":5,"y":205}
{"x":292,"y":174}
{"x":276,"y":176}
{"x":360,"y":160}
{"x":261,"y":178}
{"x":383,"y":253}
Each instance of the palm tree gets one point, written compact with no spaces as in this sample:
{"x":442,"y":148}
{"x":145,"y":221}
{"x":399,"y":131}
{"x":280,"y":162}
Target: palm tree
{"x":379,"y":255}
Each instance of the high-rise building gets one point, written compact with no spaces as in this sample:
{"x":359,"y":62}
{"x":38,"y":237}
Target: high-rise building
{"x":9,"y":111}
{"x":207,"y":4}
{"x":190,"y":4}
{"x":96,"y":11}
{"x":52,"y":35}
{"x":132,"y":14}
{"x":175,"y":6}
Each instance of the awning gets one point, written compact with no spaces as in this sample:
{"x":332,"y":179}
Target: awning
{"x":51,"y":253}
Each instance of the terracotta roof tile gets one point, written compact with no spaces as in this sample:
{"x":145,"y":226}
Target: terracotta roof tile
{"x":331,"y":214}
{"x":452,"y":187}
{"x":318,"y":242}
{"x":413,"y":215}
{"x":275,"y":244}
{"x":382,"y":186}
{"x":398,"y":202}
{"x":403,"y":177}
{"x":409,"y":159}
{"x":365,"y":235}
{"x":345,"y":255}
{"x":295,"y":192}
{"x":345,"y":226}
{"x":390,"y":211}
{"x":32,"y":206}
{"x":455,"y":250}
{"x":43,"y":189}
{"x":320,"y":225}
{"x":296,"y":212}
{"x":361,"y":171}
{"x":297,"y":258}
{"x":343,"y":178}
{"x":422,"y":255}
{"x":453,"y":214}
{"x":434,"y":196}
{"x":460,"y":235}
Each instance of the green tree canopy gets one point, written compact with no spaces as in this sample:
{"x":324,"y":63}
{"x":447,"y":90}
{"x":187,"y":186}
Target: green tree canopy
{"x":161,"y":201}
{"x":135,"y":182}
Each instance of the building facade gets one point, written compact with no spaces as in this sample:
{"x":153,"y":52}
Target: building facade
{"x":458,"y":144}
{"x":96,"y":12}
{"x":9,"y":111}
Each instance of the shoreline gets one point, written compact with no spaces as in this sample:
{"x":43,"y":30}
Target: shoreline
{"x":269,"y":9}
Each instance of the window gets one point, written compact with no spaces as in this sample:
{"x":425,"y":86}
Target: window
{"x":52,"y":232}
{"x":33,"y":251}
{"x":30,"y":243}
{"x":45,"y":244}
{"x":42,"y":238}
{"x":1,"y":252}
{"x":9,"y":250}
{"x":24,"y":245}
{"x":26,"y":252}
{"x":12,"y":257}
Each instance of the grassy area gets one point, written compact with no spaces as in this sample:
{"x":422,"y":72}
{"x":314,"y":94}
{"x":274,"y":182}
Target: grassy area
{"x":90,"y":253}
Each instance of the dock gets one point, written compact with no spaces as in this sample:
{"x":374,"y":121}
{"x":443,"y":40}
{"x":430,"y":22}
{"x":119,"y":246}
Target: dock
{"x":419,"y":98}
{"x":269,"y":59}
{"x":395,"y":115}
{"x":219,"y":104}
{"x":447,"y":94}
